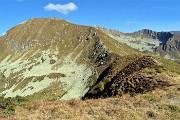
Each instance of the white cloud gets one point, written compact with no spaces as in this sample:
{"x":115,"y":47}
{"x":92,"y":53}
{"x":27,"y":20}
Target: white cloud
{"x":64,"y":9}
{"x":2,"y":34}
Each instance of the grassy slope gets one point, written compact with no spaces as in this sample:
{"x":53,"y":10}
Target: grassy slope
{"x":169,"y":65}
{"x":159,"y":104}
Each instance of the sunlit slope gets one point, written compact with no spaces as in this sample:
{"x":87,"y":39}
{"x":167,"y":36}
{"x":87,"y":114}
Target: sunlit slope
{"x":55,"y":58}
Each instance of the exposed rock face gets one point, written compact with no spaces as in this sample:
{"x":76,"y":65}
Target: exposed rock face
{"x":173,"y":44}
{"x":166,"y":44}
{"x":169,"y":41}
{"x":161,"y":36}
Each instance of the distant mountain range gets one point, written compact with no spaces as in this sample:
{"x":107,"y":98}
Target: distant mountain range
{"x":166,"y":44}
{"x":176,"y":32}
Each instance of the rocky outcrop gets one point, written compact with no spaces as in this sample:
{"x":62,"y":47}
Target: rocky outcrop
{"x":163,"y":37}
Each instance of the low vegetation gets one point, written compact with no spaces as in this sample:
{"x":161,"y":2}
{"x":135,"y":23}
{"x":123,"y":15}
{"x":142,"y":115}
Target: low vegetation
{"x":126,"y":107}
{"x":174,"y":108}
{"x":7,"y":105}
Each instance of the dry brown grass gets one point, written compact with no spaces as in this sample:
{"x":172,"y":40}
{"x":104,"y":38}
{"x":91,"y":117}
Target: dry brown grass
{"x":160,"y":104}
{"x":55,"y":75}
{"x":126,"y":107}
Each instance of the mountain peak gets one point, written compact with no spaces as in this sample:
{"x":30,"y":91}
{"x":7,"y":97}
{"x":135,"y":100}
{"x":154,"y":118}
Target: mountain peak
{"x":147,"y":33}
{"x":38,"y":29}
{"x":43,"y":19}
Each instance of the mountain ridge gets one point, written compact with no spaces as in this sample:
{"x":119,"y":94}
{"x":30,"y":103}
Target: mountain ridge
{"x":166,"y":44}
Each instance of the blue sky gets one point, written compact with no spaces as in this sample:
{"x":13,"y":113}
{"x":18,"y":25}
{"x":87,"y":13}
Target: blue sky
{"x":123,"y":15}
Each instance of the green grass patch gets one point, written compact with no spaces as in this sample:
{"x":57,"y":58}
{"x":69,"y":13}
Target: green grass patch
{"x":160,"y":69}
{"x":100,"y":86}
{"x":106,"y":80}
{"x":174,"y":108}
{"x":149,"y":98}
{"x":168,"y":65}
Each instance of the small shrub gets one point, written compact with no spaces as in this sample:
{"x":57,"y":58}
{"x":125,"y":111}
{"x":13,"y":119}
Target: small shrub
{"x":106,"y":80}
{"x":8,"y":104}
{"x":73,"y":103}
{"x":21,"y":101}
{"x":52,"y":61}
{"x":174,"y":108}
{"x":150,"y":114}
{"x":101,"y":86}
{"x":9,"y":110}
